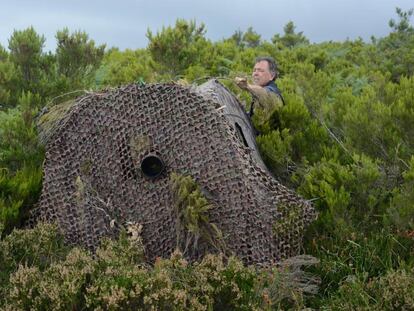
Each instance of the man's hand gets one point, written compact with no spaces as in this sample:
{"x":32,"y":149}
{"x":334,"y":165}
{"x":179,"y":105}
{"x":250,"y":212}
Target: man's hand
{"x":241,"y":82}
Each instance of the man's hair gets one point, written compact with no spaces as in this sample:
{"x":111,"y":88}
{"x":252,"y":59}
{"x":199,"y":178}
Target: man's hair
{"x":272,"y":65}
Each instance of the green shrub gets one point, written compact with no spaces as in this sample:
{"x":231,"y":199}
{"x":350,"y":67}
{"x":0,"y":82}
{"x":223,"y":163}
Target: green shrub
{"x":21,"y":158}
{"x":40,"y":273}
{"x":59,"y":287}
{"x":348,"y":254}
{"x":30,"y":249}
{"x":393,"y":291}
{"x":400,"y":214}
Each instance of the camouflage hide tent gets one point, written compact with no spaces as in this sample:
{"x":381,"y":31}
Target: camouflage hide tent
{"x":111,"y":155}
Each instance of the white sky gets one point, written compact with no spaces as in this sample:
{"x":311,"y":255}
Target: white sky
{"x":124,"y":23}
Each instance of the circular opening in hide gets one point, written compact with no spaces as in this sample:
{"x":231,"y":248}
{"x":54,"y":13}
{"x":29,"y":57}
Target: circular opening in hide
{"x":152,"y":166}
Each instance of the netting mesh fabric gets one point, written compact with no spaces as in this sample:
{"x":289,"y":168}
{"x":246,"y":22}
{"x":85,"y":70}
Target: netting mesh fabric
{"x":93,"y":180}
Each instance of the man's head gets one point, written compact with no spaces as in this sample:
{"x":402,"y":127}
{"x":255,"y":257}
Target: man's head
{"x":264,"y":71}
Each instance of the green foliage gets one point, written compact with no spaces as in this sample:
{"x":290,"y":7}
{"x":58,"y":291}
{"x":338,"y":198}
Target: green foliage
{"x":401,"y":212}
{"x":33,"y":249}
{"x":396,"y":57}
{"x":248,"y":39}
{"x":223,"y":62}
{"x":290,"y":136}
{"x":125,"y":67}
{"x":368,"y":126}
{"x":26,"y":52}
{"x":275,"y":148}
{"x":77,"y":58}
{"x":251,"y":38}
{"x":393,"y":291}
{"x":401,"y":100}
{"x":347,"y":254}
{"x":192,"y":208}
{"x":290,"y":38}
{"x":41,"y":273}
{"x":18,"y":193}
{"x":237,"y":37}
{"x":8,"y":79}
{"x":20,"y":162}
{"x":175,"y":48}
{"x":345,"y":194}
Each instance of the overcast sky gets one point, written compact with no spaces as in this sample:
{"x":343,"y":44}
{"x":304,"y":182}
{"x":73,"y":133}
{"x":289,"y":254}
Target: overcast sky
{"x":124,"y":23}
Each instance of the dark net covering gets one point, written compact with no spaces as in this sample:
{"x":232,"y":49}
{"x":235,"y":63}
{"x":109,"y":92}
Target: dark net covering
{"x":94,"y":181}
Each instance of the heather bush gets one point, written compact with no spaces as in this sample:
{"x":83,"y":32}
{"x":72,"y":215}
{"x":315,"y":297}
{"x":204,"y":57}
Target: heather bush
{"x":59,"y":287}
{"x":41,"y":273}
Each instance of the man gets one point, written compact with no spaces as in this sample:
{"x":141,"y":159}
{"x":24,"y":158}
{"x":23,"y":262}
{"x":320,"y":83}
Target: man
{"x":264,"y":88}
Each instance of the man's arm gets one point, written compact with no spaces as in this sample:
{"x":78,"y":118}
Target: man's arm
{"x":257,"y":91}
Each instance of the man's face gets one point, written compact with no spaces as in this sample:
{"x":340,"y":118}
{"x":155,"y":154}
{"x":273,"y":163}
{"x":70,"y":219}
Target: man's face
{"x":261,"y":74}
